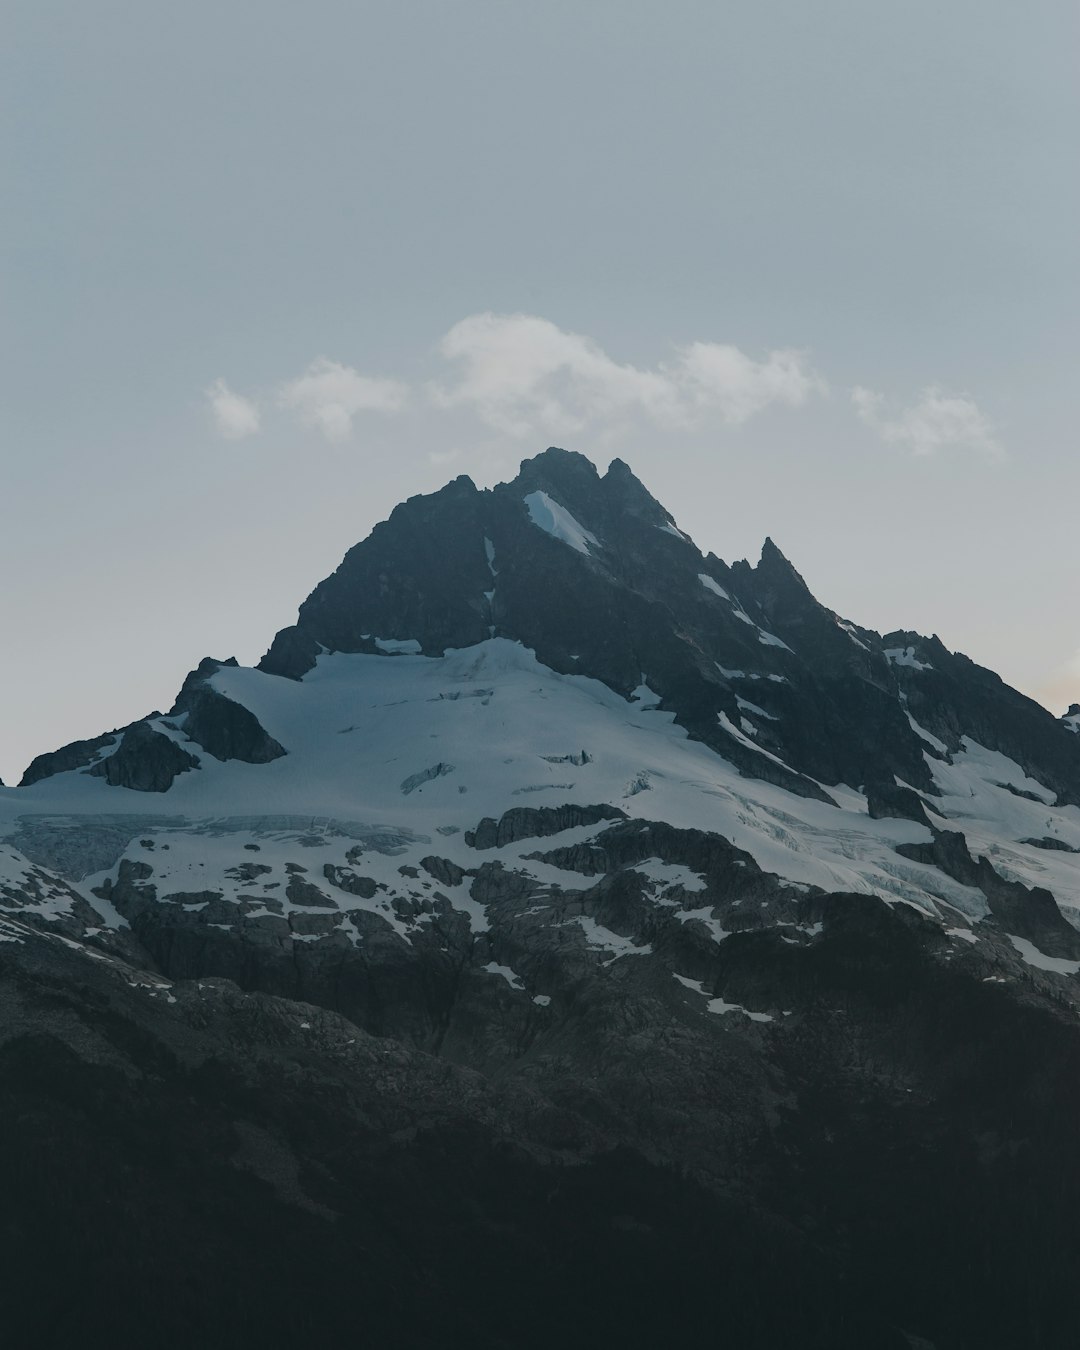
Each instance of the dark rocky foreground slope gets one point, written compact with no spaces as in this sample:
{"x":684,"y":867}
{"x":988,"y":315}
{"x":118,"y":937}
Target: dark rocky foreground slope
{"x":549,"y":947}
{"x":236,"y":1168}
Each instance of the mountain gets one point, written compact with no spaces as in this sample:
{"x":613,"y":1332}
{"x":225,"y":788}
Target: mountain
{"x":561,"y":936}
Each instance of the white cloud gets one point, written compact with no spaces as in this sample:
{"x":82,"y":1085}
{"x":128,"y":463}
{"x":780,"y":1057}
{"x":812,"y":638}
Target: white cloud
{"x":721,"y":376}
{"x":234,"y":416}
{"x":935,"y":421}
{"x":329,"y":395}
{"x":522,"y":374}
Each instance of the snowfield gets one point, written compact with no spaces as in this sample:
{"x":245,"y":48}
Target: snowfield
{"x":402,"y":754}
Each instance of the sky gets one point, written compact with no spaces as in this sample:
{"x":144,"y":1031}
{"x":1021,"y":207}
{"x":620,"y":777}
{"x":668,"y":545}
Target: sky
{"x":808,"y":266}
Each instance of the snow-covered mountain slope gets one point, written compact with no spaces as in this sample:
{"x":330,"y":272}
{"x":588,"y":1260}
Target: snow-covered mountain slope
{"x":543,"y":832}
{"x":715,"y":724}
{"x":421,"y":748}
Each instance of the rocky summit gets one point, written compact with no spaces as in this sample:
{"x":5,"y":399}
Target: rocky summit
{"x":561,"y":938}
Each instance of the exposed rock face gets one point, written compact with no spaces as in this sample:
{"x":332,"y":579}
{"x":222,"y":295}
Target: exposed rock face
{"x":77,"y":755}
{"x":722,"y":647}
{"x":525,"y":822}
{"x":421,"y":575}
{"x":629,"y":1136}
{"x":761,"y":1029}
{"x":292,"y":654}
{"x":146,"y":761}
{"x":224,"y":728}
{"x":1028,"y":912}
{"x":633,"y":603}
{"x":283,"y":1144}
{"x":953,"y":698}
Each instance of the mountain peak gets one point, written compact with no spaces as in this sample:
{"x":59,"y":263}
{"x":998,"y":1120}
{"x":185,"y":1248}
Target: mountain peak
{"x":556,"y":775}
{"x":774,"y":563}
{"x":626,"y":492}
{"x":565,"y":473}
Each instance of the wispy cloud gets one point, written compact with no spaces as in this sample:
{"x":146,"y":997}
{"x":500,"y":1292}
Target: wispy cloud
{"x":234,"y":416}
{"x":329,"y":395}
{"x":522,"y":374}
{"x":935,"y":421}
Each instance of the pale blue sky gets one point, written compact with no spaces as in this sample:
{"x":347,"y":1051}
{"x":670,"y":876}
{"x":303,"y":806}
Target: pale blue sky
{"x":234,"y":191}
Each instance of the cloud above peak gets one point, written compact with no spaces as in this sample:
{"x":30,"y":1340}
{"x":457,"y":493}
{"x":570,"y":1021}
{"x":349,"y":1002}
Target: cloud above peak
{"x":522,"y":374}
{"x":717,"y":375}
{"x":935,"y":421}
{"x":234,"y":416}
{"x":329,"y":395}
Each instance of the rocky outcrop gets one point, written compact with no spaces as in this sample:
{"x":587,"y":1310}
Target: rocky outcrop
{"x":145,"y":761}
{"x":453,"y":568}
{"x":283,"y":1141}
{"x":648,"y":1155}
{"x":292,"y":654}
{"x":345,"y":879}
{"x":824,"y":702}
{"x":952,"y":698}
{"x":1028,"y":912}
{"x":620,"y":1061}
{"x":527,"y":822}
{"x":885,"y":799}
{"x":77,"y":755}
{"x":420,"y":576}
{"x":223,"y":727}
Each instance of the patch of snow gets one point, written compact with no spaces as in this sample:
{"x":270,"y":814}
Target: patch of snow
{"x":849,"y":629}
{"x":771,"y":640}
{"x":743,"y":739}
{"x":665,"y":875}
{"x":713,"y":586}
{"x":905,"y":656}
{"x":602,"y":939}
{"x":717,"y":1005}
{"x":927,"y":736}
{"x":1030,"y":954}
{"x":965,"y":934}
{"x":1005,"y":772}
{"x":704,"y":916}
{"x":643,"y":695}
{"x":511,"y":978}
{"x":668,"y":528}
{"x":399,"y":646}
{"x":978,"y":794}
{"x":851,"y":799}
{"x":747,"y":706}
{"x":541,"y":1000}
{"x":556,"y":520}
